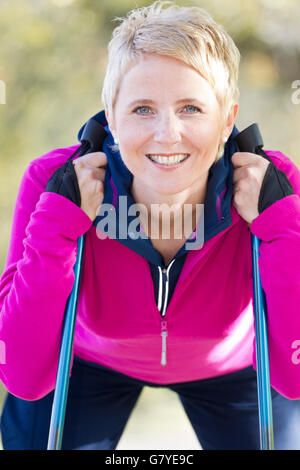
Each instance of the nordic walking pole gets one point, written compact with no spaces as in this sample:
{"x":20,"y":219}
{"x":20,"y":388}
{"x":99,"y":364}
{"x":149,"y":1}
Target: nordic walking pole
{"x":93,"y":135}
{"x":65,"y":357}
{"x":250,"y":140}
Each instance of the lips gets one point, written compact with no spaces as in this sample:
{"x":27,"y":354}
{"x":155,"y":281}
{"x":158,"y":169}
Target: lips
{"x":167,"y":154}
{"x":168,"y":160}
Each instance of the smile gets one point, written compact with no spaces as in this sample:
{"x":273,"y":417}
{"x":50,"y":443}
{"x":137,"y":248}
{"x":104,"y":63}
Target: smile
{"x":168,"y":161}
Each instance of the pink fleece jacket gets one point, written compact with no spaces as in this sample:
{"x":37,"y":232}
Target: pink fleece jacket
{"x":209,"y":319}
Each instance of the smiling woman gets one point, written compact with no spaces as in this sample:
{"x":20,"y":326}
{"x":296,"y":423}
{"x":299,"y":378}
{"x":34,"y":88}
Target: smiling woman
{"x":175,"y":129}
{"x":171,"y":146}
{"x":189,"y":35}
{"x":171,"y":125}
{"x":152,"y":312}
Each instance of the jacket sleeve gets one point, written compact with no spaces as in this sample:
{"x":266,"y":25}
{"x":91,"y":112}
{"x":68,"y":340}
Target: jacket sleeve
{"x":278,"y":228}
{"x":34,"y":287}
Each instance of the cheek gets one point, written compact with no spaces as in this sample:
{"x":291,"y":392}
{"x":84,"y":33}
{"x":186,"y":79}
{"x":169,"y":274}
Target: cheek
{"x":206,"y":145}
{"x":211,"y":142}
{"x":209,"y":134}
{"x":131,"y":156}
{"x":205,"y":134}
{"x":132,"y":148}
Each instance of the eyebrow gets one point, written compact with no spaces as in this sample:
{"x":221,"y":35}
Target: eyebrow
{"x":182,"y":100}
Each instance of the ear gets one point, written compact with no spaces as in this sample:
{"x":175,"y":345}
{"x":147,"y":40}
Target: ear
{"x":109,"y":121}
{"x":231,"y":118}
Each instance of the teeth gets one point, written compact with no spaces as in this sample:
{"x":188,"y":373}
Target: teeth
{"x":168,"y":160}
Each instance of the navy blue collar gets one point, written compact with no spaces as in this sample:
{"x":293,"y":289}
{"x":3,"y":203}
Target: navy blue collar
{"x":118,"y":179}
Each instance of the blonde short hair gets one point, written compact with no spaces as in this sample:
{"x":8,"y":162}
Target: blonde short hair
{"x":186,"y":33}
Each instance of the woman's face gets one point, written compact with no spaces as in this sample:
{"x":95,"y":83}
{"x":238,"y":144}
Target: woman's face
{"x":165,"y":107}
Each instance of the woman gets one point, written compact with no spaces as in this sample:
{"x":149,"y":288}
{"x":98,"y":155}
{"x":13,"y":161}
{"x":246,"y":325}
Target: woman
{"x":155,"y":310}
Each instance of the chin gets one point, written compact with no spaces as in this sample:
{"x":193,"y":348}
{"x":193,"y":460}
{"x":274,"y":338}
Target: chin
{"x":169,"y":190}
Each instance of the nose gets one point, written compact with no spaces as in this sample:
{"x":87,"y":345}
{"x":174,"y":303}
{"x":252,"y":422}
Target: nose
{"x":168,"y":130}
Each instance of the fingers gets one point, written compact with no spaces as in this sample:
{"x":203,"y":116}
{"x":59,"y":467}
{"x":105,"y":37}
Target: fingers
{"x":98,"y":173}
{"x":94,"y":159}
{"x":90,"y":168}
{"x":88,"y":173}
{"x":241,"y":159}
{"x":244,"y":172}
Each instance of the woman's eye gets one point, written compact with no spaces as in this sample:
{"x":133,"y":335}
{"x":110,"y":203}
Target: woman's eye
{"x":141,"y":107}
{"x":191,"y":106}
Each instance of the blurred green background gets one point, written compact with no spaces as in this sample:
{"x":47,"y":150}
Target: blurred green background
{"x":52,"y":60}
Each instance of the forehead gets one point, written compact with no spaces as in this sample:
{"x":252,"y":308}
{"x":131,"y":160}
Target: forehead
{"x":162,"y":76}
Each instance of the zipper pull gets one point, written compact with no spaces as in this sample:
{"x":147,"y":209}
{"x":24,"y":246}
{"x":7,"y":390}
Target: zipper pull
{"x":164,"y":334}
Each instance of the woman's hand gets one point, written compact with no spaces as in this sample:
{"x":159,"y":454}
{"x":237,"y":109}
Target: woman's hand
{"x":90,"y":172}
{"x":249,"y":172}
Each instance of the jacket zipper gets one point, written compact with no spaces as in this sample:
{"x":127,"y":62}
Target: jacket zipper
{"x":164,"y":334}
{"x":162,"y":307}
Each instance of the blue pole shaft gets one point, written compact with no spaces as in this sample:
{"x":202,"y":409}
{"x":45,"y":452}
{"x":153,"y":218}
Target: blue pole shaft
{"x":65,"y":358}
{"x":262,"y":355}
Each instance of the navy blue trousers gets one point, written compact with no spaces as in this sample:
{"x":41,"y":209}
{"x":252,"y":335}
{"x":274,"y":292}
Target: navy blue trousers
{"x":223,"y":412}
